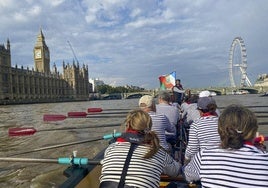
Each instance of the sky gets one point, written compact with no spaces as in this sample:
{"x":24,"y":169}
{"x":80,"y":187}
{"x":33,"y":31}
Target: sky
{"x":133,"y":42}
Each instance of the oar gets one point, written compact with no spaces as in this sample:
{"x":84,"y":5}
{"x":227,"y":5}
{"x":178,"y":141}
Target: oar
{"x":90,"y":110}
{"x":260,"y":139}
{"x":57,"y":117}
{"x":84,"y":114}
{"x":105,"y":137}
{"x":265,"y":116}
{"x":62,"y":160}
{"x":222,"y":107}
{"x":25,"y":131}
{"x":263,"y":123}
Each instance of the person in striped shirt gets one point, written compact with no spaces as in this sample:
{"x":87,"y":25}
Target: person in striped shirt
{"x":190,"y":111}
{"x":147,"y":162}
{"x":161,"y":124}
{"x":171,"y":112}
{"x":203,"y":132}
{"x":237,"y":162}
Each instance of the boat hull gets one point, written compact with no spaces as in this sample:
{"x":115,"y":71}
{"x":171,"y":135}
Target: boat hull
{"x":88,"y":176}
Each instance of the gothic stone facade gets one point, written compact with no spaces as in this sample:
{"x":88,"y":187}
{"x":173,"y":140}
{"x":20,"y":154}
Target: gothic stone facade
{"x":20,"y":85}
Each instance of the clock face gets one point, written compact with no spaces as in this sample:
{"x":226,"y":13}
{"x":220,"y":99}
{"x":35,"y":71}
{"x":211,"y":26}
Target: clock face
{"x":37,"y":53}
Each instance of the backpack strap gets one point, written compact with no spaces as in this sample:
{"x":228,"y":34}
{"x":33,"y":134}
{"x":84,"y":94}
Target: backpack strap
{"x":124,"y":172}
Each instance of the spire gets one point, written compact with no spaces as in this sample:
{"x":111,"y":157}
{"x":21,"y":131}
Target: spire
{"x":8,"y":44}
{"x":40,"y":39}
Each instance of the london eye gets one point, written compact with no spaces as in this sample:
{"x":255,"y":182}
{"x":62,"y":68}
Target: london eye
{"x":238,"y":64}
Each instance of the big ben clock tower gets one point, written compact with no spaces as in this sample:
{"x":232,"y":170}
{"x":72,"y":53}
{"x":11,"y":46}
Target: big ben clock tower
{"x":41,"y":55}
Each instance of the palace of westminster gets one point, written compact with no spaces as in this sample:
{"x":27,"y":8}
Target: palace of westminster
{"x":19,"y":85}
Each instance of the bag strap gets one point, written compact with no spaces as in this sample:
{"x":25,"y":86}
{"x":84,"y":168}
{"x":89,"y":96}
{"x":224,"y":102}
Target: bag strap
{"x":124,"y":172}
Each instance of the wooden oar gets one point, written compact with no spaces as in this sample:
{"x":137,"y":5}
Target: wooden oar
{"x":263,"y":123}
{"x":262,"y":116}
{"x":222,"y":107}
{"x":90,"y":110}
{"x":105,"y":137}
{"x":62,"y":160}
{"x":58,"y":117}
{"x":260,"y":139}
{"x":26,"y":131}
{"x":84,"y":114}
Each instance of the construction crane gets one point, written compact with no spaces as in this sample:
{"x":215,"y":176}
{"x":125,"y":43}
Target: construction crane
{"x":73,"y":51}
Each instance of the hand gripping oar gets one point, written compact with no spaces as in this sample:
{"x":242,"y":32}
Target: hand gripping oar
{"x":25,"y":131}
{"x":62,"y":160}
{"x":105,"y":137}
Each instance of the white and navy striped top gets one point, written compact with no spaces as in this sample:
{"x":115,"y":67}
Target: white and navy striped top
{"x":171,"y":112}
{"x":246,"y":167}
{"x":192,"y":113}
{"x":141,"y":172}
{"x":161,"y":126}
{"x":203,"y":133}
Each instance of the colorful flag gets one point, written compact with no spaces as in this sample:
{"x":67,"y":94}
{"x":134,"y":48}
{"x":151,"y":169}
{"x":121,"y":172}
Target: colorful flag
{"x":167,"y":81}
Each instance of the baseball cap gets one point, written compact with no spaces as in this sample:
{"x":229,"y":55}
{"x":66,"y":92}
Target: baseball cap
{"x":205,"y":93}
{"x":203,"y":102}
{"x":146,"y":101}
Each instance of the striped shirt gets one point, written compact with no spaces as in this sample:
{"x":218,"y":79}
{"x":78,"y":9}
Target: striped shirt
{"x":203,"y":133}
{"x":192,"y":113}
{"x":161,"y":125}
{"x":141,"y":172}
{"x":246,"y":167}
{"x":171,"y":112}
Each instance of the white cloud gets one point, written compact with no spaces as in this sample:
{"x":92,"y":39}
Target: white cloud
{"x":133,"y":42}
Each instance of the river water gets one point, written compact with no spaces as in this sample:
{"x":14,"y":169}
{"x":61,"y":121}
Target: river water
{"x":48,"y":175}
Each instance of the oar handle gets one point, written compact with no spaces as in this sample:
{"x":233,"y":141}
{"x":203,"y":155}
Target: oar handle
{"x":109,"y":136}
{"x":62,"y":160}
{"x":77,"y":161}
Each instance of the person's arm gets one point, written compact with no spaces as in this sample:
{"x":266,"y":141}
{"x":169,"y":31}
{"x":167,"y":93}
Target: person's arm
{"x":193,"y":145}
{"x":191,"y":171}
{"x":178,"y":90}
{"x":168,"y":126}
{"x":171,"y":168}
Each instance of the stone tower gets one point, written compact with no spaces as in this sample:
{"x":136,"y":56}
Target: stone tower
{"x":41,"y":55}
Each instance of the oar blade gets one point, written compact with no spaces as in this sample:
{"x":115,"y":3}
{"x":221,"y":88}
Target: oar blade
{"x":92,"y":110}
{"x":54,"y":117}
{"x":21,"y":131}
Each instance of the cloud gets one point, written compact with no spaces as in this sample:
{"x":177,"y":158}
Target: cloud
{"x":133,"y":42}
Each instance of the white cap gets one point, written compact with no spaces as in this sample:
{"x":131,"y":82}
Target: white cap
{"x":146,"y":100}
{"x":205,"y":93}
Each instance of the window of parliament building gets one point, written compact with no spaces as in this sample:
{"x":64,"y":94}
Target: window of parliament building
{"x":20,"y":85}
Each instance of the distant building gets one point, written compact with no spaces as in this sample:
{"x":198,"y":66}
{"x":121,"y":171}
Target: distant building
{"x":262,"y":80}
{"x":95,"y":82}
{"x":20,"y":85}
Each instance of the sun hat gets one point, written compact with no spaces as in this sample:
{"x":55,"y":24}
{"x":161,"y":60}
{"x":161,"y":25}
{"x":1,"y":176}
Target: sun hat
{"x":146,"y":101}
{"x":203,"y":102}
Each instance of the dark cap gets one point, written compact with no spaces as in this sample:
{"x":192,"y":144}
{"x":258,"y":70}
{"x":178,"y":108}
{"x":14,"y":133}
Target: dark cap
{"x":203,"y":102}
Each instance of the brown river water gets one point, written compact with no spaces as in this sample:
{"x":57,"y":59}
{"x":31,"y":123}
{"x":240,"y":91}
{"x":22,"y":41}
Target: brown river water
{"x":49,"y":175}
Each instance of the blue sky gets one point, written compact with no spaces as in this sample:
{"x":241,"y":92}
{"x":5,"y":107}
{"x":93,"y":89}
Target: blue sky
{"x":135,"y":41}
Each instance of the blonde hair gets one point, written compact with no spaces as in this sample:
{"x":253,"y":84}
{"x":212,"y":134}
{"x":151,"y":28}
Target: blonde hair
{"x":236,"y":125}
{"x":141,"y":121}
